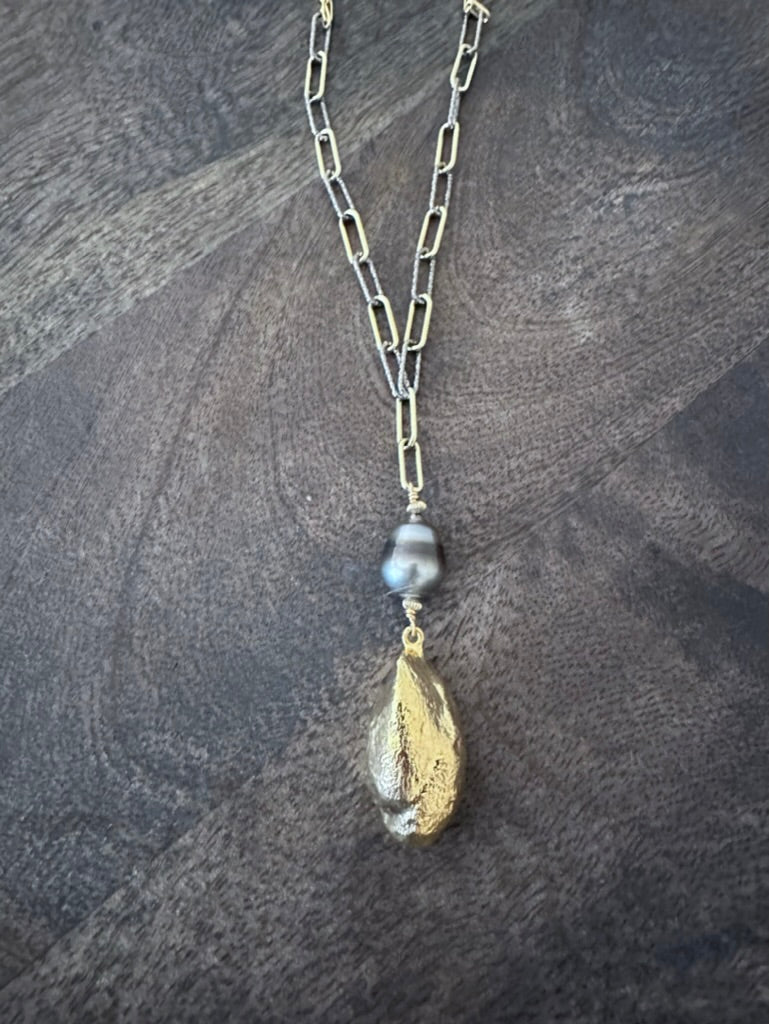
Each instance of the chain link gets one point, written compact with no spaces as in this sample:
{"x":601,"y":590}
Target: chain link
{"x":401,"y":357}
{"x":408,"y":444}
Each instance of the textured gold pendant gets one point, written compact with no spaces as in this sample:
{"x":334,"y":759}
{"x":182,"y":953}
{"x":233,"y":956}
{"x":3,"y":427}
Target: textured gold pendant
{"x":416,"y":754}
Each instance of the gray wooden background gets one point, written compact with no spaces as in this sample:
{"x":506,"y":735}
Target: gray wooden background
{"x":198,"y":475}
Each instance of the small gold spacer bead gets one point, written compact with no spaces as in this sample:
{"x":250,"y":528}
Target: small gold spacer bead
{"x":411,"y":606}
{"x":416,"y":505}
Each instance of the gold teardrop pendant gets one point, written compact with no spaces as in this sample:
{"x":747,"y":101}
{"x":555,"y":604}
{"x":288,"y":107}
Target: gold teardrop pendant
{"x":416,"y":754}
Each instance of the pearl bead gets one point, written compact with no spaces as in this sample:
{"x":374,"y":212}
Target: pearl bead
{"x":412,"y":561}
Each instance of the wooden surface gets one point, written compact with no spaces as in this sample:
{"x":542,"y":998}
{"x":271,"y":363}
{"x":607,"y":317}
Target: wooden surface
{"x":198,"y":475}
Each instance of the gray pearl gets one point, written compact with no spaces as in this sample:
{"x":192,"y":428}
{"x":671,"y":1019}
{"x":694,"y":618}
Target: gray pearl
{"x":412,"y":561}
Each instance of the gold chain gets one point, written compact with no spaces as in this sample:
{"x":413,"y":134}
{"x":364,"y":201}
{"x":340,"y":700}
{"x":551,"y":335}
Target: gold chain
{"x":401,"y":359}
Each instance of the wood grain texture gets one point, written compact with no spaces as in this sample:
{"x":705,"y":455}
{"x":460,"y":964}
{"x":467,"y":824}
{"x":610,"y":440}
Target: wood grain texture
{"x":197,"y":474}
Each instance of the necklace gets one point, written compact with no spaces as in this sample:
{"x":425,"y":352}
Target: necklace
{"x":416,"y":753}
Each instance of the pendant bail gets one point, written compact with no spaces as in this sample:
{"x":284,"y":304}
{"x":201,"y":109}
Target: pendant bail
{"x":413,"y":641}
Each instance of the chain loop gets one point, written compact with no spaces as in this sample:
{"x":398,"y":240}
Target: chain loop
{"x":314,"y":95}
{"x":444,"y":166}
{"x":377,"y":302}
{"x":464,"y":52}
{"x":327,"y":12}
{"x":328,"y":136}
{"x":400,"y":408}
{"x":424,"y":251}
{"x":476,"y":9}
{"x":408,"y":444}
{"x":425,"y":302}
{"x":359,"y":255}
{"x":318,"y":20}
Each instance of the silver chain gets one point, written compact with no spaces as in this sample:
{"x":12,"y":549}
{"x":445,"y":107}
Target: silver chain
{"x":401,"y":361}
